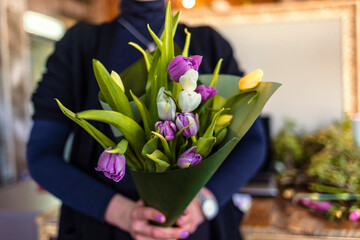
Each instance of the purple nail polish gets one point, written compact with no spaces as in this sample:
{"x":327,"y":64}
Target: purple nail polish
{"x":184,"y":234}
{"x":159,"y":218}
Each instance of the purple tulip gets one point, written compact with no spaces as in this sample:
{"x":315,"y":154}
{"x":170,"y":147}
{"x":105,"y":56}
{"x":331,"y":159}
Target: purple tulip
{"x":206,"y":92}
{"x":316,"y":205}
{"x":185,"y":119}
{"x":112,"y":164}
{"x":180,"y":65}
{"x":189,"y":158}
{"x":354,"y":215}
{"x":167,"y":129}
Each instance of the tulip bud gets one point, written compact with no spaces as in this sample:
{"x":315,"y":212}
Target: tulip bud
{"x":188,"y":100}
{"x":188,"y":81}
{"x":206,"y":92}
{"x":185,"y":119}
{"x":189,"y":158}
{"x":251,"y":80}
{"x":166,"y":106}
{"x":354,"y":215}
{"x":223,"y":120}
{"x":180,"y":65}
{"x":167,"y":129}
{"x":117,"y":80}
{"x":112,"y":165}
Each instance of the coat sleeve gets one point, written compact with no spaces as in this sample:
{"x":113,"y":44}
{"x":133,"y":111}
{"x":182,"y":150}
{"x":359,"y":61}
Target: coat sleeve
{"x":51,"y":130}
{"x":250,"y":153}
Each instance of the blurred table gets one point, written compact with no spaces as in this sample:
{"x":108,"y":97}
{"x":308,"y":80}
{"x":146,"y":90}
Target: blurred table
{"x":48,"y":224}
{"x":277,"y":219}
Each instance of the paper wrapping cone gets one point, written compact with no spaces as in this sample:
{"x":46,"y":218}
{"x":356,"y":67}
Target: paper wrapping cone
{"x":172,"y":191}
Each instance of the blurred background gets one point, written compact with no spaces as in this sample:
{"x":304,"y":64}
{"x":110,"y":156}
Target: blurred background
{"x":309,"y":46}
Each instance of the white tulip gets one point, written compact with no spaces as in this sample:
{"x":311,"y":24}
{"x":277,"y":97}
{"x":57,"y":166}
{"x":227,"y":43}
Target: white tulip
{"x":166,"y":106}
{"x":189,"y":100}
{"x":189,"y":79}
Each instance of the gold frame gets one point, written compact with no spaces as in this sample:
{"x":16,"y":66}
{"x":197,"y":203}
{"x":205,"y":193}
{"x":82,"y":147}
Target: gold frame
{"x":346,"y":11}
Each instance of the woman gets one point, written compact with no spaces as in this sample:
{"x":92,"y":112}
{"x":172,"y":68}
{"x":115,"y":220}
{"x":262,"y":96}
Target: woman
{"x":95,"y":207}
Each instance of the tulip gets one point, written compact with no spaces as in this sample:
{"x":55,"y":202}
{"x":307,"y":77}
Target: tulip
{"x":112,"y":165}
{"x":316,"y":205}
{"x":166,"y":106}
{"x":167,"y":129}
{"x":251,"y":80}
{"x":354,"y":215}
{"x":188,"y":100}
{"x":206,"y":92}
{"x":189,"y":158}
{"x":180,"y":65}
{"x":185,"y":119}
{"x":188,"y":81}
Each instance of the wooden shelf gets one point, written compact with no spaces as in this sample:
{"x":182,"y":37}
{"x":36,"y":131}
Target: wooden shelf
{"x":277,"y":219}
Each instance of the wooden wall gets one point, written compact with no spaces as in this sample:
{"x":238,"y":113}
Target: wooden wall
{"x":14,"y":89}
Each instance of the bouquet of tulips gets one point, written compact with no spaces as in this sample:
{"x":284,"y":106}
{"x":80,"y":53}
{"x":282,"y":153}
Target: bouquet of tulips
{"x":180,"y":130}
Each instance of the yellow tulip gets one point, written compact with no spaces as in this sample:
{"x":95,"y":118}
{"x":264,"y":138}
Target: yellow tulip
{"x":251,"y":80}
{"x":223,"y":120}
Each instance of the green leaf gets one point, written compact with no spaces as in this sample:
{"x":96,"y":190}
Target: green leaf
{"x":205,"y":145}
{"x":214,"y":78}
{"x":145,"y":115}
{"x":128,"y":127}
{"x":104,"y":141}
{"x":183,"y":146}
{"x":175,"y":21}
{"x":147,"y":56}
{"x":155,"y":37}
{"x":220,"y":136}
{"x":218,"y":102}
{"x":210,"y":130}
{"x":164,"y":143}
{"x":111,"y":91}
{"x":327,"y":196}
{"x":135,"y":71}
{"x":133,"y":161}
{"x":117,"y":80}
{"x":185,"y":52}
{"x":160,"y":159}
{"x":150,"y":146}
{"x":120,"y":148}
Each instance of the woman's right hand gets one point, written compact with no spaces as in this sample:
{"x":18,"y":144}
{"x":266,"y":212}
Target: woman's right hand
{"x":134,"y":217}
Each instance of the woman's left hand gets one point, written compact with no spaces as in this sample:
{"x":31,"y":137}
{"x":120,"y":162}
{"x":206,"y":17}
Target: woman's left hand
{"x":193,"y":216}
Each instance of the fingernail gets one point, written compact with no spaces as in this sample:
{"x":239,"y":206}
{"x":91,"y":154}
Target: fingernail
{"x":159,"y":218}
{"x":184,"y":234}
{"x":181,"y":219}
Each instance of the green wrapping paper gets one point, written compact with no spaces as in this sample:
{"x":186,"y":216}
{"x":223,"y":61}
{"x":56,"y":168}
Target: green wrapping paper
{"x":171,"y":192}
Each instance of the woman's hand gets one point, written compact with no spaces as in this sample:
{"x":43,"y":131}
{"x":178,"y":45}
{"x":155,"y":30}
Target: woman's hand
{"x":134,"y":218}
{"x":193,"y":216}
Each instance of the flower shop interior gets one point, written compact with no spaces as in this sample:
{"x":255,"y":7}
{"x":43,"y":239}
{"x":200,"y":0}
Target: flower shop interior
{"x":307,"y":188}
